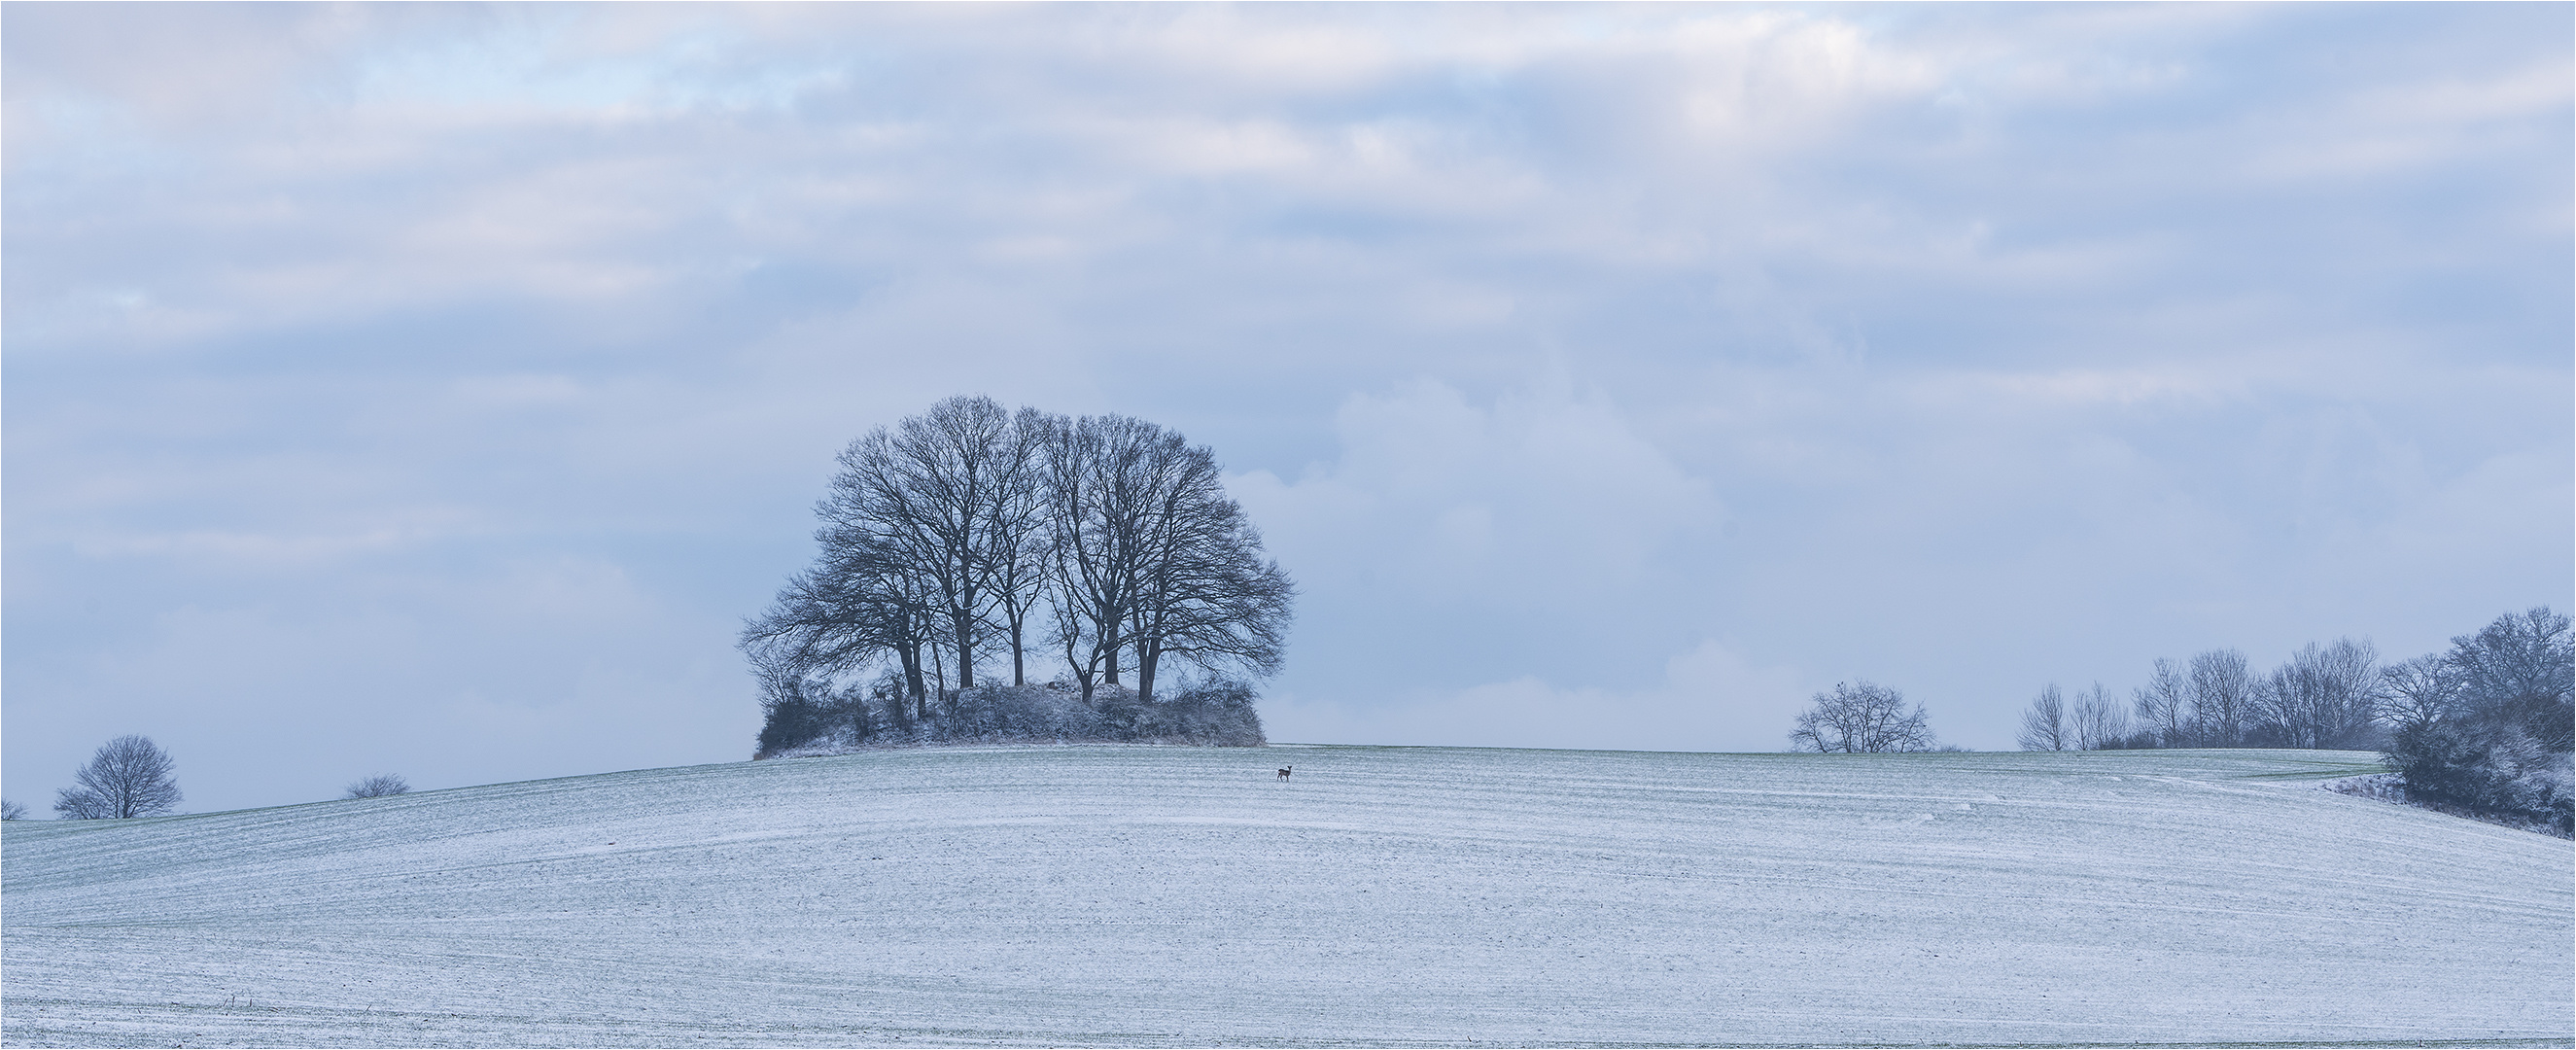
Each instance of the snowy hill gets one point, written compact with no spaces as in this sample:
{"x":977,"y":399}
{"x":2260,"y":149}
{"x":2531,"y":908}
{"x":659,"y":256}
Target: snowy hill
{"x":1144,"y":895}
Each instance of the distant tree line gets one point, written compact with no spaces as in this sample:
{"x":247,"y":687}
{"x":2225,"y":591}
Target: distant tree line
{"x":2324,"y":696}
{"x":2486,"y":727}
{"x":972,"y":534}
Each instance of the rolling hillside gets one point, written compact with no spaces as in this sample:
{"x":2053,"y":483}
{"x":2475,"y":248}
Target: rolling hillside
{"x":1151,"y":895}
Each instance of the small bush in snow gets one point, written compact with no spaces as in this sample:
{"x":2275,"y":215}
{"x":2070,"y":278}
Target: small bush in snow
{"x":2487,"y":770}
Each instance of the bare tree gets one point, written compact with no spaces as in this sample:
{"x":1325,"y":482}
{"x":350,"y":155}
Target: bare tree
{"x":1014,"y":556}
{"x":2324,"y":696}
{"x":128,"y":777}
{"x":2419,"y":692}
{"x":2521,"y":669}
{"x":1103,"y":474}
{"x":1863,"y":717}
{"x":860,"y":603}
{"x":1151,"y":560}
{"x":1203,"y":592}
{"x":2164,"y":705}
{"x":2101,"y":720}
{"x":2044,"y":725}
{"x":380,"y":786}
{"x":924,"y":493}
{"x":2223,"y":695}
{"x":11,"y":810}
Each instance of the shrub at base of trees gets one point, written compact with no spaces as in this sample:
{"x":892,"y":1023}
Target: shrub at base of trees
{"x":2488,"y":771}
{"x":813,"y":721}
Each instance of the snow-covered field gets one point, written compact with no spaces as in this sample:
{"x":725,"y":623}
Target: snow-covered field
{"x":1157,"y":895}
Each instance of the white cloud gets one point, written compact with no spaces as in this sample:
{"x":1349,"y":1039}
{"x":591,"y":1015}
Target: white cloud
{"x":1710,"y":698}
{"x":1544,"y":494}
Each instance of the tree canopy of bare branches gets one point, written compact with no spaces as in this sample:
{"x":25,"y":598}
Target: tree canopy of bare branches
{"x":2522,"y":668}
{"x":2164,"y":705}
{"x":2044,"y":725}
{"x":2224,"y":692}
{"x":2101,"y":721}
{"x":2418,"y":692}
{"x":948,"y":536}
{"x":2094,"y":721}
{"x":2324,"y":696}
{"x":380,"y":786}
{"x":128,"y":777}
{"x":1861,"y":718}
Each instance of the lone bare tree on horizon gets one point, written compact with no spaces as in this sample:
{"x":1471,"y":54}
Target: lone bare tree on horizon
{"x":128,"y":777}
{"x":1861,"y":718}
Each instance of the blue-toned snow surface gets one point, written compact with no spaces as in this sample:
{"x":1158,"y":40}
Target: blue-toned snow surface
{"x":1183,"y":896}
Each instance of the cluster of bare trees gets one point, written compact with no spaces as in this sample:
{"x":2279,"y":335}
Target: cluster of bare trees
{"x":2324,"y":696}
{"x":971,"y":533}
{"x":2487,"y":726}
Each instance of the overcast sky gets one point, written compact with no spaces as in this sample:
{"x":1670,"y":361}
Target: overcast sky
{"x":434,"y":390}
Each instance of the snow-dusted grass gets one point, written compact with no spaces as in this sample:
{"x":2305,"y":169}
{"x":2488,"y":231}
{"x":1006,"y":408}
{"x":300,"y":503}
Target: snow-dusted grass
{"x":1156,"y":895}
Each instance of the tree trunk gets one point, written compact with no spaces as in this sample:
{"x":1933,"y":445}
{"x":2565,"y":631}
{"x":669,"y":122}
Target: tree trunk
{"x":1145,"y":661}
{"x":1019,"y":673}
{"x":911,"y":656}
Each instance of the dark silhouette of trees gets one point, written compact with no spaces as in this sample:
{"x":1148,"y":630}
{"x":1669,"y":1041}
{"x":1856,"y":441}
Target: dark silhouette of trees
{"x":1097,"y":474}
{"x":11,"y":810}
{"x":860,"y":604}
{"x":379,"y":786}
{"x":922,"y":497}
{"x":1862,"y":717}
{"x":128,"y":777}
{"x":1149,"y":559}
{"x":946,"y":537}
{"x":2487,"y":730}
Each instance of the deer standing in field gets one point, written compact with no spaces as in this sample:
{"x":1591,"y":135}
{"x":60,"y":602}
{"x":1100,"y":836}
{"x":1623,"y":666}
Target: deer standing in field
{"x":1283,"y":771}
